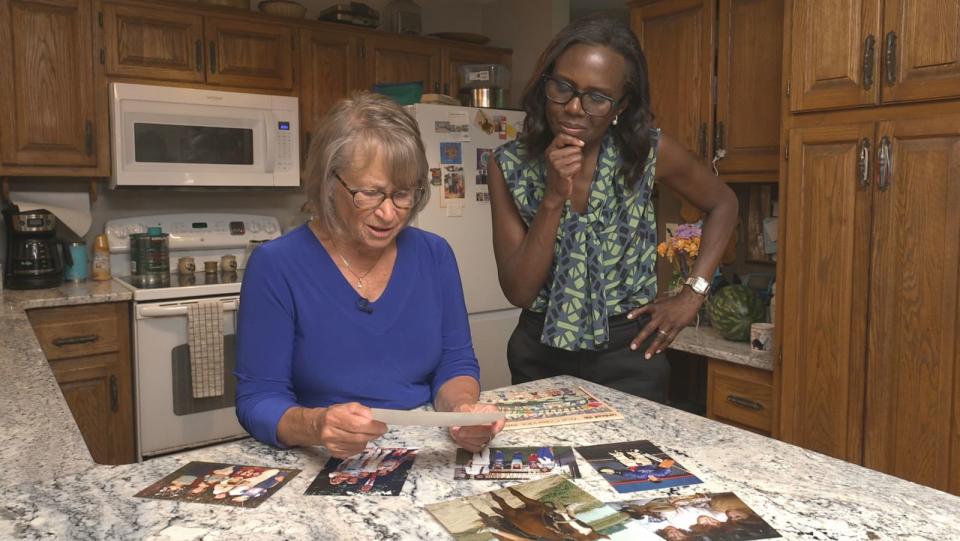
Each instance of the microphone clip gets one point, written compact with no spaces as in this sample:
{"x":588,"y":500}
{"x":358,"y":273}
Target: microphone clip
{"x":364,"y":306}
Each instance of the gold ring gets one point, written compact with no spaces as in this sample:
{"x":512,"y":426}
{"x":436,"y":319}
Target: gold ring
{"x":663,"y":332}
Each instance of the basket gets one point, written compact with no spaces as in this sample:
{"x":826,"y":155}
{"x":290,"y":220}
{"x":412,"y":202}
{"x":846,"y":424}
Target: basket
{"x":283,"y":8}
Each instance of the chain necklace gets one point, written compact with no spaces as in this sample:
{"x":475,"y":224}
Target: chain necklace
{"x":346,"y":264}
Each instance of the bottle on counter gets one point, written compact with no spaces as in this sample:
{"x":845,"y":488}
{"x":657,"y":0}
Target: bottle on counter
{"x":100,"y":268}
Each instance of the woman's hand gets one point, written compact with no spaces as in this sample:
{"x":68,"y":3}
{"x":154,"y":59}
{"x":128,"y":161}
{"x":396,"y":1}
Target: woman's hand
{"x":668,"y":316}
{"x":474,"y":438}
{"x":345,"y":429}
{"x":564,"y":160}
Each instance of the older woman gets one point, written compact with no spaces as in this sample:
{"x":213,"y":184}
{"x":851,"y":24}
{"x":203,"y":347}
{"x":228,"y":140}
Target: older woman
{"x":355,"y":309}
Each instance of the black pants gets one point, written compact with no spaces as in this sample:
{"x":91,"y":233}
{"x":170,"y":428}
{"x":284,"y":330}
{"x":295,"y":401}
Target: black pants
{"x":617,"y":366}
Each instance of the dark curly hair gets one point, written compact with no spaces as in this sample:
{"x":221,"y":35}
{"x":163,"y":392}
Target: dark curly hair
{"x":632,"y":132}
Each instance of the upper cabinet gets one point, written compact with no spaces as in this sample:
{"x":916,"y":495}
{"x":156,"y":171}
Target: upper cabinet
{"x":49,"y":115}
{"x":391,"y":58}
{"x":331,"y":69}
{"x":149,"y":43}
{"x":714,"y":69}
{"x":850,"y":53}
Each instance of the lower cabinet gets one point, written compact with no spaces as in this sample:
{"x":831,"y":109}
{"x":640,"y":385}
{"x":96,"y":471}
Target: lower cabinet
{"x":740,"y":395}
{"x":88,"y":348}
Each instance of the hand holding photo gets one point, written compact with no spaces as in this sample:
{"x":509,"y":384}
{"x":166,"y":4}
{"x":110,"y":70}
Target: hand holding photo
{"x":434,"y":418}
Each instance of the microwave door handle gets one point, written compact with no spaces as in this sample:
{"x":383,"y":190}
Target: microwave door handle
{"x":269,"y":123}
{"x":181,"y":310}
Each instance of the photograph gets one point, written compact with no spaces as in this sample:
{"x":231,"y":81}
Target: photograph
{"x":376,"y":471}
{"x":698,"y":517}
{"x":633,"y":466}
{"x":221,"y":484}
{"x":516,"y":463}
{"x":552,"y":406}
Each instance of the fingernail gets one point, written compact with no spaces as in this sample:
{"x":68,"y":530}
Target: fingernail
{"x":647,"y":356}
{"x":658,"y":351}
{"x":629,"y":316}
{"x":633,"y":347}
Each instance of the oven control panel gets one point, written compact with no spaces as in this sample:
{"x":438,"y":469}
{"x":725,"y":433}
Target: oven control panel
{"x":195,"y":231}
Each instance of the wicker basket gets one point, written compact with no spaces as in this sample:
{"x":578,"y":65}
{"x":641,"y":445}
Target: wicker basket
{"x":239,"y":4}
{"x":283,"y":8}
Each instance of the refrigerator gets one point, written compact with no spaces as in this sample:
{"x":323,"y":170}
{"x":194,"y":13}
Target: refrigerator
{"x":457,"y":142}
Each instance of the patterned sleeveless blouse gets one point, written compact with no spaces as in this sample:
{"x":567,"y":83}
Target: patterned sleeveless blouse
{"x":604,"y":259}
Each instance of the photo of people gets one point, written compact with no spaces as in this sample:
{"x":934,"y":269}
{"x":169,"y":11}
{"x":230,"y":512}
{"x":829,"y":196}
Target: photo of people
{"x":548,"y":509}
{"x":516,"y":463}
{"x":633,"y":466}
{"x":453,"y":185}
{"x":377,"y":471}
{"x":699,"y":517}
{"x":435,"y":176}
{"x":483,"y":156}
{"x":551,"y":406}
{"x":222,"y":484}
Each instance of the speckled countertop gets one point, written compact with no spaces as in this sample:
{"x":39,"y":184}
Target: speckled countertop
{"x":705,"y":340}
{"x":49,"y":487}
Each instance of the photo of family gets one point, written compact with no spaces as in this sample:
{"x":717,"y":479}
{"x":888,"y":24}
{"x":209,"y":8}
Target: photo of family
{"x":633,"y":466}
{"x":222,"y":484}
{"x":516,"y":463}
{"x":699,"y":517}
{"x":376,"y":471}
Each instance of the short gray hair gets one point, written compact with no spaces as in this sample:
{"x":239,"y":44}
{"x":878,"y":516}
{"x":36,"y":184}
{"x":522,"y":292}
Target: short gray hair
{"x":353,"y":123}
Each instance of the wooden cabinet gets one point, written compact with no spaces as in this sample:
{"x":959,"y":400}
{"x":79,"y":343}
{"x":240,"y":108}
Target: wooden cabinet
{"x":855,"y":53}
{"x":331,"y":69}
{"x":50,"y":122}
{"x":88,"y":348}
{"x":740,"y":395}
{"x":148,"y":43}
{"x":872,"y":376}
{"x":728,"y":109}
{"x":395,"y":59}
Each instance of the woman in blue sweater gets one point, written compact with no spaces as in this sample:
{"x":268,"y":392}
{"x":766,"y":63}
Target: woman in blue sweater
{"x":355,"y":309}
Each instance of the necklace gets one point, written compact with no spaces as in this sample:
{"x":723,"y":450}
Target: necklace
{"x":358,"y":276}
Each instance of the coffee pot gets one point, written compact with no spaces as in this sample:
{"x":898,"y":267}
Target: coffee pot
{"x":35,"y":257}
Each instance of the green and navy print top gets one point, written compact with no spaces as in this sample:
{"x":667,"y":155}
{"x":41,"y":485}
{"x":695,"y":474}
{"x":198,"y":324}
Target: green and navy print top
{"x":604,"y":259}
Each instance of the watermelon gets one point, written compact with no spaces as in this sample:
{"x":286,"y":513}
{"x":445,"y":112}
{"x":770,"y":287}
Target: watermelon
{"x":733,"y":309}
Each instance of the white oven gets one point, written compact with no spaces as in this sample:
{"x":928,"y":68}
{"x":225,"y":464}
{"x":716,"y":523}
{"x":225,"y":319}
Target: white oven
{"x":168,"y":136}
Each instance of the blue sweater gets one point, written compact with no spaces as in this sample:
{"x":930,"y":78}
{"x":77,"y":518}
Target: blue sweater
{"x":301,"y":339}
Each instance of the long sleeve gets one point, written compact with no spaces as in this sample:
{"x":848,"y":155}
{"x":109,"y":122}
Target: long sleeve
{"x":458,"y":357}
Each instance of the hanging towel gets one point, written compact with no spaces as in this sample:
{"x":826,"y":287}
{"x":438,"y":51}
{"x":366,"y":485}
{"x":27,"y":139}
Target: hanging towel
{"x":205,"y":339}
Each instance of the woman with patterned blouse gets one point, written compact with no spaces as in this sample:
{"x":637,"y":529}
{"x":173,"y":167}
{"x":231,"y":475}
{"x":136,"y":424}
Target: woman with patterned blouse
{"x":574,"y":227}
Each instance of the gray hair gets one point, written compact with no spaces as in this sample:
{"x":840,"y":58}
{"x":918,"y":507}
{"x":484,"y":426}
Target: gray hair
{"x":354,"y":124}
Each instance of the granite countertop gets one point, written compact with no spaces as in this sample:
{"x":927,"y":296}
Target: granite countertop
{"x":50,"y":488}
{"x":705,"y":340}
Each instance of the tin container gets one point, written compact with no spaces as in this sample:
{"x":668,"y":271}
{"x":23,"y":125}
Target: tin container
{"x":150,"y":253}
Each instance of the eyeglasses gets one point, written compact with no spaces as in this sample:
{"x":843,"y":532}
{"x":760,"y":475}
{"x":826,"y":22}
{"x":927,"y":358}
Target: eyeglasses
{"x":368,"y":198}
{"x":592,"y":103}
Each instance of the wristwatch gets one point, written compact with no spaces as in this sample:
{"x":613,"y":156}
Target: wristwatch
{"x":699,"y":285}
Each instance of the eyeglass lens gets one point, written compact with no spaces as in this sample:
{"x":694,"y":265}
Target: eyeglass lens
{"x":592,"y":103}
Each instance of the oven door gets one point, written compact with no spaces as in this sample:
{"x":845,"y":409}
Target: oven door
{"x":169,"y":418}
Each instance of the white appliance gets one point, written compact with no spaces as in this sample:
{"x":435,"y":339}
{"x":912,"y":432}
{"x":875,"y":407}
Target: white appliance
{"x":168,"y":417}
{"x":466,"y":223}
{"x":168,"y":136}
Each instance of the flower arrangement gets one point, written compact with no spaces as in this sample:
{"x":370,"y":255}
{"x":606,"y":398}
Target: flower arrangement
{"x":682,"y":250}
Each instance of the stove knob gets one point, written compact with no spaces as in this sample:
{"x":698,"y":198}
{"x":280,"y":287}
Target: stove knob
{"x":254,"y":227}
{"x":269,"y":228}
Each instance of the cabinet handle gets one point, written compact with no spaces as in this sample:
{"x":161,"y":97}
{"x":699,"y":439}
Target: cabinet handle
{"x":199,"y":54}
{"x":436,"y":87}
{"x":702,"y":141}
{"x":744,"y":402}
{"x":74,"y":340}
{"x":446,"y":88}
{"x":884,"y":164}
{"x":890,"y":59}
{"x":869,"y":45}
{"x":88,"y":137}
{"x":114,"y":394}
{"x":863,"y":163}
{"x":213,"y":57}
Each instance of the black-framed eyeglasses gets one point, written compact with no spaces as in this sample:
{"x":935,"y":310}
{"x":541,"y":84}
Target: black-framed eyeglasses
{"x":369,"y":198}
{"x":593,"y":103}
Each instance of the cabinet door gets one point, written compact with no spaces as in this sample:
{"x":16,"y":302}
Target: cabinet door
{"x":913,"y":339}
{"x":825,"y":272}
{"x":153,"y":44}
{"x":454,"y":57}
{"x":98,"y":391}
{"x":835,"y":50}
{"x":749,"y":53}
{"x":677,"y":39}
{"x":329,"y":64}
{"x":245,"y":54}
{"x":395,"y":59}
{"x":923,"y":61}
{"x":47,"y":83}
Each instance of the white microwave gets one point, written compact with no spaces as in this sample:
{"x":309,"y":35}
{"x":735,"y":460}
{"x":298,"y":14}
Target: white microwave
{"x":167,"y":136}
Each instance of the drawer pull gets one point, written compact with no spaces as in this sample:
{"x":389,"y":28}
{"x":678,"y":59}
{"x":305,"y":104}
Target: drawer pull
{"x":744,"y":402}
{"x":74,"y":340}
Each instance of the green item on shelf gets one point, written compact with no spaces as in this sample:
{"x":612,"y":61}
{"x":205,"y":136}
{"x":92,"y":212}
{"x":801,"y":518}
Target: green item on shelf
{"x":733,"y":309}
{"x":402,"y":93}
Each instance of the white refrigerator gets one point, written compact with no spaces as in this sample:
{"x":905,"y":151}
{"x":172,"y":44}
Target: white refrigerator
{"x":457,"y":141}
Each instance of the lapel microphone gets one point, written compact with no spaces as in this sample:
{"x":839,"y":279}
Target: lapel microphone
{"x":364,"y":306}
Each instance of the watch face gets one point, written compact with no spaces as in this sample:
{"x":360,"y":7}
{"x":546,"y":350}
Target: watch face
{"x":698,"y":284}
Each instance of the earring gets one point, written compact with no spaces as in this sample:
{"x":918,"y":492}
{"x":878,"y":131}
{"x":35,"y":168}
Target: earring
{"x":615,"y":120}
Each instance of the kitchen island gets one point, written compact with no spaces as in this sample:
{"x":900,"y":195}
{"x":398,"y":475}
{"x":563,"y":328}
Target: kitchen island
{"x":50,"y":488}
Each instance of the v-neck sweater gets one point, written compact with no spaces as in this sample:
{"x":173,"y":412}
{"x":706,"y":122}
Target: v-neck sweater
{"x":303,"y":339}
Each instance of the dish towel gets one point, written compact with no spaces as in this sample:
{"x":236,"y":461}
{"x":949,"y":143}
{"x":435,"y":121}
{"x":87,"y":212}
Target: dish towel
{"x":205,"y":339}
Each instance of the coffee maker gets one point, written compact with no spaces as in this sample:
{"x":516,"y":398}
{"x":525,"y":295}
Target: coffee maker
{"x":35,"y":257}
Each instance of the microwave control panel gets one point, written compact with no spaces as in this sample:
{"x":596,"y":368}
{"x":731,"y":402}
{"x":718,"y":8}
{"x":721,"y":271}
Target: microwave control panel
{"x":285,"y":142}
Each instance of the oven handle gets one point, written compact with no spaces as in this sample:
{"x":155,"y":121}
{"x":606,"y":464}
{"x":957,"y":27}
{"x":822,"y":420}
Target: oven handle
{"x":181,"y":310}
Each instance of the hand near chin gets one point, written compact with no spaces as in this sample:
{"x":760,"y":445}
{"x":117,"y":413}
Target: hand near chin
{"x":564,"y":161}
{"x":346,"y":429}
{"x":475,"y":438}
